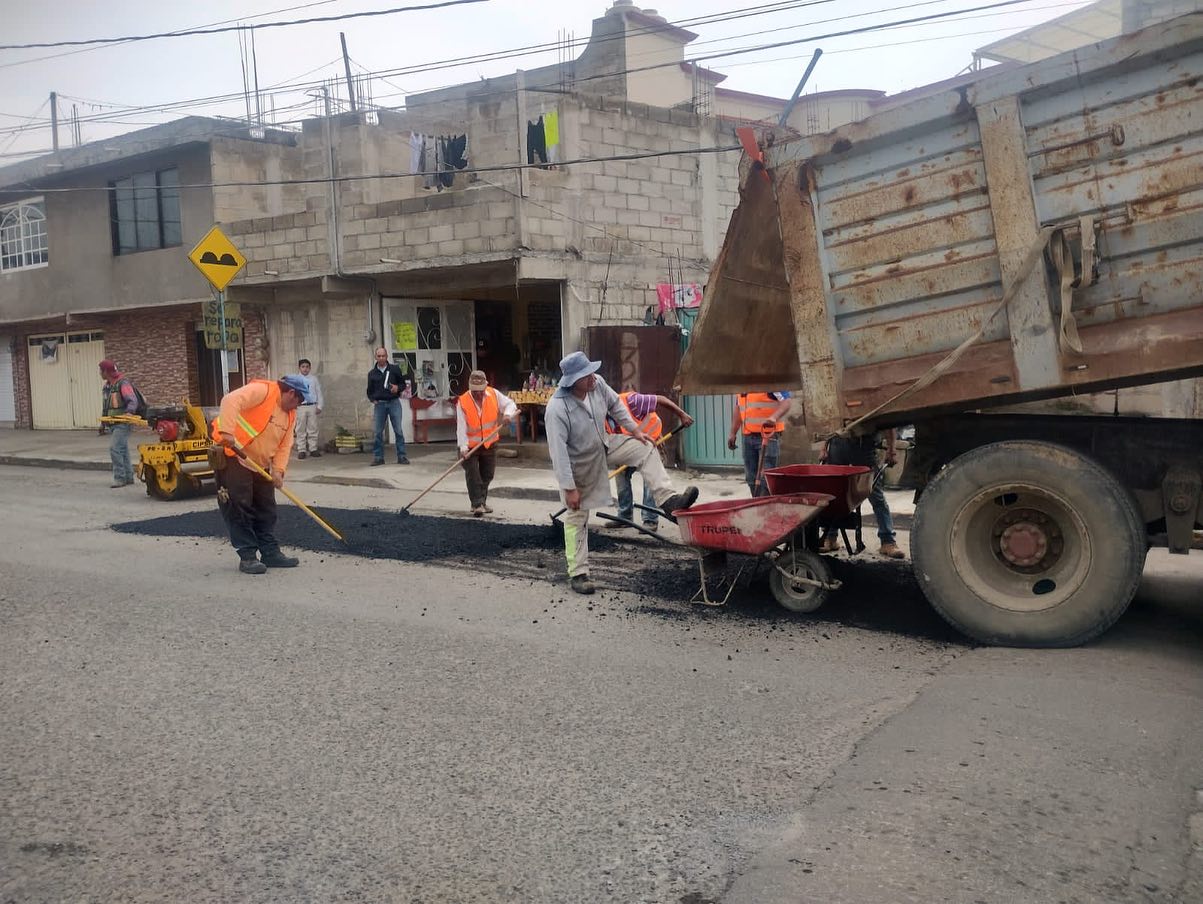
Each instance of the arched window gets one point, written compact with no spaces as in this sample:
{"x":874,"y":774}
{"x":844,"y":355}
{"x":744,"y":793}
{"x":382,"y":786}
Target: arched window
{"x":23,"y":241}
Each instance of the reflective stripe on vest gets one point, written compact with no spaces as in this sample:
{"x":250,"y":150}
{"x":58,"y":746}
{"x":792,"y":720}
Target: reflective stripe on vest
{"x":480,"y":423}
{"x":651,"y":425}
{"x":250,"y":424}
{"x":754,"y":409}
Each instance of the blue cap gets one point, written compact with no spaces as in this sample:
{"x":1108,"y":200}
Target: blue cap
{"x":296,"y":384}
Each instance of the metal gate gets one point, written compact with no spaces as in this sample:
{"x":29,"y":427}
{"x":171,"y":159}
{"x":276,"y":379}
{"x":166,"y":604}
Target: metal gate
{"x":706,"y":441}
{"x":64,"y":380}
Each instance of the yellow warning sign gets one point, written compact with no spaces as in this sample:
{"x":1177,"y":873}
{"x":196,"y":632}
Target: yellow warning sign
{"x":217,"y":258}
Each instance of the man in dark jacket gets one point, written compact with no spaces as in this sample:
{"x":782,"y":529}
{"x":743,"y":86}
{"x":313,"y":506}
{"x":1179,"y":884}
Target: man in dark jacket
{"x":385,"y":385}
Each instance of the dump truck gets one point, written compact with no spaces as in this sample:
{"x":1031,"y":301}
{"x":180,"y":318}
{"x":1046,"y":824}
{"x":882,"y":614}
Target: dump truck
{"x":1029,"y":233}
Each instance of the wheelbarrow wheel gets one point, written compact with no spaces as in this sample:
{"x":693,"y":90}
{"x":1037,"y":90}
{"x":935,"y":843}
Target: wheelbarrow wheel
{"x":799,"y":596}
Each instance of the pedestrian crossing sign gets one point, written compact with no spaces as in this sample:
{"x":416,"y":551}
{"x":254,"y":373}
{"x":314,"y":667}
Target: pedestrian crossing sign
{"x":217,"y":258}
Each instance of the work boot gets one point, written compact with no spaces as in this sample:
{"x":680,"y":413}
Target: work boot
{"x":679,"y":501}
{"x":581,"y":584}
{"x":277,"y":559}
{"x":478,"y":511}
{"x":488,"y":508}
{"x":830,"y":544}
{"x":252,"y":566}
{"x":301,"y":456}
{"x":315,"y":454}
{"x":653,"y":526}
{"x":403,"y":460}
{"x":614,"y":525}
{"x":377,"y":462}
{"x":891,"y":551}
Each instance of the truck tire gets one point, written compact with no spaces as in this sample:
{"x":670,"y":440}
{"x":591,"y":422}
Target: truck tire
{"x":1025,"y":543}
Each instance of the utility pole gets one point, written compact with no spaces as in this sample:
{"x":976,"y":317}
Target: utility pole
{"x":54,"y":119}
{"x":347,"y":67}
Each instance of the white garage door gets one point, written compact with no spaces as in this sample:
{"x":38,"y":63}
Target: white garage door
{"x":8,"y":398}
{"x":64,"y":380}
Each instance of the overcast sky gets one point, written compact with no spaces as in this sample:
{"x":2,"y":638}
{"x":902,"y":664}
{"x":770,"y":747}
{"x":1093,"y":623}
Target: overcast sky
{"x":106,"y":81}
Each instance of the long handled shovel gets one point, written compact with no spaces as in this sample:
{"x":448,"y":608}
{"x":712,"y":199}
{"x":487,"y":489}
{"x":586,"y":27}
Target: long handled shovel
{"x":455,"y":464}
{"x":302,"y":506}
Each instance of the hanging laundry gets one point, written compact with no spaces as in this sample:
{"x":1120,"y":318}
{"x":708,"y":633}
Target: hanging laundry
{"x":442,"y":179}
{"x":456,"y":153}
{"x":415,"y":153}
{"x":536,"y":141}
{"x":551,"y":135}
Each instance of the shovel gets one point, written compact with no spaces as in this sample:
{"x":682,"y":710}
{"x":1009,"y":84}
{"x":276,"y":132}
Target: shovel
{"x":302,"y":506}
{"x":455,"y":464}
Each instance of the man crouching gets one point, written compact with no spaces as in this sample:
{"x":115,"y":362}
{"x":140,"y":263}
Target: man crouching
{"x":582,"y":452}
{"x":257,"y":421}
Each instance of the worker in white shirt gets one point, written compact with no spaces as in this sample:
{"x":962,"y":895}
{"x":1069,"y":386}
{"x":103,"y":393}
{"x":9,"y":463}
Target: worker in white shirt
{"x":479,"y":415}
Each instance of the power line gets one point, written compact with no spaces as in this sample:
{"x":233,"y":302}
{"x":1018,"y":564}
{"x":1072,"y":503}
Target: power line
{"x":810,"y":39}
{"x":495,"y":168}
{"x":270,"y":12}
{"x":216,"y":31}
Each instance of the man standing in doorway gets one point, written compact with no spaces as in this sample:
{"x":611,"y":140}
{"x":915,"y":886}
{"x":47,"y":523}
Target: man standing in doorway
{"x":119,"y":397}
{"x":385,"y":384}
{"x":257,"y":420}
{"x":479,"y":415}
{"x":582,"y":453}
{"x":760,"y":415}
{"x":307,"y":432}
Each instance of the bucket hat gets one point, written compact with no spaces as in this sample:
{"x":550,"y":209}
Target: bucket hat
{"x":477,"y":380}
{"x":575,"y":366}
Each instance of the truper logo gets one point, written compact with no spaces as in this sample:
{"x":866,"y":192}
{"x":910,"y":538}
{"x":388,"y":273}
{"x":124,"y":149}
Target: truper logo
{"x":720,"y":529}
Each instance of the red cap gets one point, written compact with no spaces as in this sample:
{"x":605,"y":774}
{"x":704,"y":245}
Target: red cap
{"x":108,"y":367}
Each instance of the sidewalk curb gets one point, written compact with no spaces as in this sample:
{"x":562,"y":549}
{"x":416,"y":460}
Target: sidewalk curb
{"x":55,"y":463}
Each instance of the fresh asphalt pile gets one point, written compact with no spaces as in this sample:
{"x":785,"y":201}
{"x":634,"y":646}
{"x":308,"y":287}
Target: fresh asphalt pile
{"x":878,"y":595}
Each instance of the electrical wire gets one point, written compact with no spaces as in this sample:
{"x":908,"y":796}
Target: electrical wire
{"x":232,"y":97}
{"x":223,"y":29}
{"x":365,"y":177}
{"x":271,"y":12}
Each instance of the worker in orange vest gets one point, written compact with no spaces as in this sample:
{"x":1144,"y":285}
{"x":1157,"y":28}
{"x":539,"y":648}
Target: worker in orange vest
{"x":478,"y":414}
{"x":257,"y":420}
{"x":759,"y":415}
{"x":644,"y":411}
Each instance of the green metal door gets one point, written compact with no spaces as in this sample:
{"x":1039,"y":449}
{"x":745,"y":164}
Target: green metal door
{"x":706,"y":441}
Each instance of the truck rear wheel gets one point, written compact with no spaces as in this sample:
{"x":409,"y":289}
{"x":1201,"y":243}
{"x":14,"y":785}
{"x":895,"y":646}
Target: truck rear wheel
{"x":1026,"y":543}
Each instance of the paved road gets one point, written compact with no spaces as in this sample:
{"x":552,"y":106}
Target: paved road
{"x":368,"y":730}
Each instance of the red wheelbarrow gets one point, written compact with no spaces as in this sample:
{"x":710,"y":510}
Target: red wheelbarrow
{"x":850,"y":485}
{"x":771,"y":528}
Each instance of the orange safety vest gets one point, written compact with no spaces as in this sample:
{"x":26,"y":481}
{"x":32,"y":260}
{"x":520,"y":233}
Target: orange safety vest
{"x":251,"y":423}
{"x":754,"y":409}
{"x":481,"y":422}
{"x":651,"y":425}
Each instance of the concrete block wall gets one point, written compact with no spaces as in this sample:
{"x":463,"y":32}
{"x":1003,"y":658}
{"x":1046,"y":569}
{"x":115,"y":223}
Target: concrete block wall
{"x":329,"y":332}
{"x":246,"y":178}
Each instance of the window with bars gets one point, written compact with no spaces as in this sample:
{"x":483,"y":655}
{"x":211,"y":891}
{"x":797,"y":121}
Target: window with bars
{"x":145,"y":211}
{"x":23,"y":239}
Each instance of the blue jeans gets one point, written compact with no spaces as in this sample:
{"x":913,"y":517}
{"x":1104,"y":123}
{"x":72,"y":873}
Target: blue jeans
{"x":752,"y":443}
{"x":123,"y":471}
{"x":382,"y":413}
{"x":881,"y":509}
{"x":626,"y":499}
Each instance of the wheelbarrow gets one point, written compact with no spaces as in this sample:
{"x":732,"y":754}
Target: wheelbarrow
{"x":848,"y":485}
{"x":768,"y":528}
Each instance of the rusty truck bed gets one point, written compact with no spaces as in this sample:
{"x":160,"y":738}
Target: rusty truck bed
{"x":860,"y":259}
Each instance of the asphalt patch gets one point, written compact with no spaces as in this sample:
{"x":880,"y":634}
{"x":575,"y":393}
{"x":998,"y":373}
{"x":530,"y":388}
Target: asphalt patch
{"x":877,"y":594}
